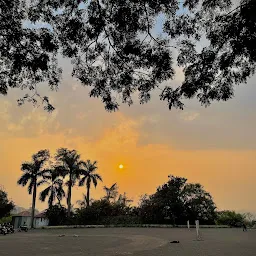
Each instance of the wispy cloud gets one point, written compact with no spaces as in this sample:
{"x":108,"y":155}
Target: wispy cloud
{"x":189,"y":116}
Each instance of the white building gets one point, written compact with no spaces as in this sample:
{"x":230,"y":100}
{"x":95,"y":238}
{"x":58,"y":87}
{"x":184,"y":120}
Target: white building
{"x":24,"y":218}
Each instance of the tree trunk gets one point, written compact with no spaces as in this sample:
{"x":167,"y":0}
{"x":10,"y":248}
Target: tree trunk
{"x":33,"y":204}
{"x":88,"y":196}
{"x":51,"y":199}
{"x":69,"y":195}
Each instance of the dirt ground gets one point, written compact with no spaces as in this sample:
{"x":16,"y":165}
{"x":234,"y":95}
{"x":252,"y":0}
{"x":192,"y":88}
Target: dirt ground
{"x":129,"y":241}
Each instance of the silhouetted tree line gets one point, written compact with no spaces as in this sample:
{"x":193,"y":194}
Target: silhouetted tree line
{"x":173,"y":203}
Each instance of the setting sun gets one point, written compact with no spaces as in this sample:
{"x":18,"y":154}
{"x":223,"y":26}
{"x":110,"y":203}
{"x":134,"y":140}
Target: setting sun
{"x":121,"y":166}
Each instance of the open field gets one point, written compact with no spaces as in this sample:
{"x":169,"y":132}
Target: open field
{"x":129,"y":241}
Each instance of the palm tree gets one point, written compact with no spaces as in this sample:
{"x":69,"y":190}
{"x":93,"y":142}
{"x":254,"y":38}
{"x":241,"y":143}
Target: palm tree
{"x":111,"y":193}
{"x":69,"y":164}
{"x":31,"y":172}
{"x":89,"y":176}
{"x":55,"y":187}
{"x":123,"y":199}
{"x":83,"y":202}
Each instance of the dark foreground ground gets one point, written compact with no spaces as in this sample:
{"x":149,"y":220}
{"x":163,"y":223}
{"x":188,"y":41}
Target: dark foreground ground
{"x":129,"y":241}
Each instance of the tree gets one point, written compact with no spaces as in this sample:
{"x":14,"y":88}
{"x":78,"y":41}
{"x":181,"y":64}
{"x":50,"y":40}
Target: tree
{"x":178,"y":201}
{"x":6,"y":206}
{"x":83,"y":203}
{"x":198,"y":204}
{"x":111,"y":192}
{"x":113,"y":48}
{"x":89,"y":176}
{"x":69,"y":164}
{"x":31,"y":172}
{"x":123,"y":199}
{"x":230,"y":218}
{"x":57,"y":215}
{"x":55,"y":187}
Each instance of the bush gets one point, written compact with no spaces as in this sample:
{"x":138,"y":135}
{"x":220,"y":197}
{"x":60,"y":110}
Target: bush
{"x":57,"y":215}
{"x":6,"y":220}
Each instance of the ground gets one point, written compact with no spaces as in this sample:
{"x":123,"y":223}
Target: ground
{"x":129,"y":241}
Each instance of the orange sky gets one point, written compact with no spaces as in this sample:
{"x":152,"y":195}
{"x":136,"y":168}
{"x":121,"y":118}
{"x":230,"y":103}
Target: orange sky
{"x":213,"y":146}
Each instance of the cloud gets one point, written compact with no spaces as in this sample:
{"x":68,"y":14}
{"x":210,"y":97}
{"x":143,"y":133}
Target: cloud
{"x":81,"y":115}
{"x":122,"y":135}
{"x":152,"y":119}
{"x":19,"y":123}
{"x":189,"y":116}
{"x":4,"y":110}
{"x":75,"y":86}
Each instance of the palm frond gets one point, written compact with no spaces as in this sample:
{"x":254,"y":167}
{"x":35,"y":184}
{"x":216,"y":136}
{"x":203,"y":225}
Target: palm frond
{"x":95,"y":181}
{"x":114,"y":186}
{"x":58,"y":181}
{"x":27,"y":167}
{"x":82,"y":181}
{"x":41,"y":182}
{"x":24,"y":179}
{"x":106,"y":189}
{"x":30,"y":186}
{"x":98,"y":177}
{"x":61,"y":170}
{"x":44,"y":193}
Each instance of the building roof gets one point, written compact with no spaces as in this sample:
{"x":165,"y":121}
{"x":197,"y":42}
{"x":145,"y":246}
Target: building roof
{"x":28,"y":214}
{"x":41,"y":215}
{"x":23,"y":214}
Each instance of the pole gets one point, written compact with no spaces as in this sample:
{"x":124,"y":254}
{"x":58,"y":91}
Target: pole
{"x":198,"y":237}
{"x":188,"y":224}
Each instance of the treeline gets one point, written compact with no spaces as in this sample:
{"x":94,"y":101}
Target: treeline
{"x":173,"y":203}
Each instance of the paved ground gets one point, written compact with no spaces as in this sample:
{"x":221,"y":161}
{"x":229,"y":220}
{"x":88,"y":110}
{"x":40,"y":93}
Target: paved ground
{"x":129,"y":241}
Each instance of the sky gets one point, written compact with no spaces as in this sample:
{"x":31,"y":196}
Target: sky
{"x":215,"y":146}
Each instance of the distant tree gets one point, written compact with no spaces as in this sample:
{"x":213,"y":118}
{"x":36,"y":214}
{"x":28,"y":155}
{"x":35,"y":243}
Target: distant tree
{"x":249,"y":218}
{"x":55,"y":187}
{"x":230,"y":218}
{"x":123,"y":199}
{"x":89,"y":176}
{"x":18,"y":209}
{"x":6,"y":206}
{"x":31,"y":172}
{"x":111,"y":192}
{"x":69,"y":165}
{"x":114,"y":50}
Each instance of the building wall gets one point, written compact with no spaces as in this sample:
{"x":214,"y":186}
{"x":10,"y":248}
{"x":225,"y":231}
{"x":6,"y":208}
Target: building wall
{"x":20,"y":220}
{"x":38,"y":222}
{"x":41,"y":222}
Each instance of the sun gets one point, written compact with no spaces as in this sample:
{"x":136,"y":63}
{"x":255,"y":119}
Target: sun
{"x":120,"y":166}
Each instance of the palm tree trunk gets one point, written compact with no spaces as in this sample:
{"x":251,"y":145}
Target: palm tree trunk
{"x":88,"y":196}
{"x":51,"y":200}
{"x":51,"y":197}
{"x":33,"y":205}
{"x":69,"y":195}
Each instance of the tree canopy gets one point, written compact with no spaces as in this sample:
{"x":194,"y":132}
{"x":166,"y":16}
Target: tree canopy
{"x":6,"y":206}
{"x":115,"y":52}
{"x":178,"y":201}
